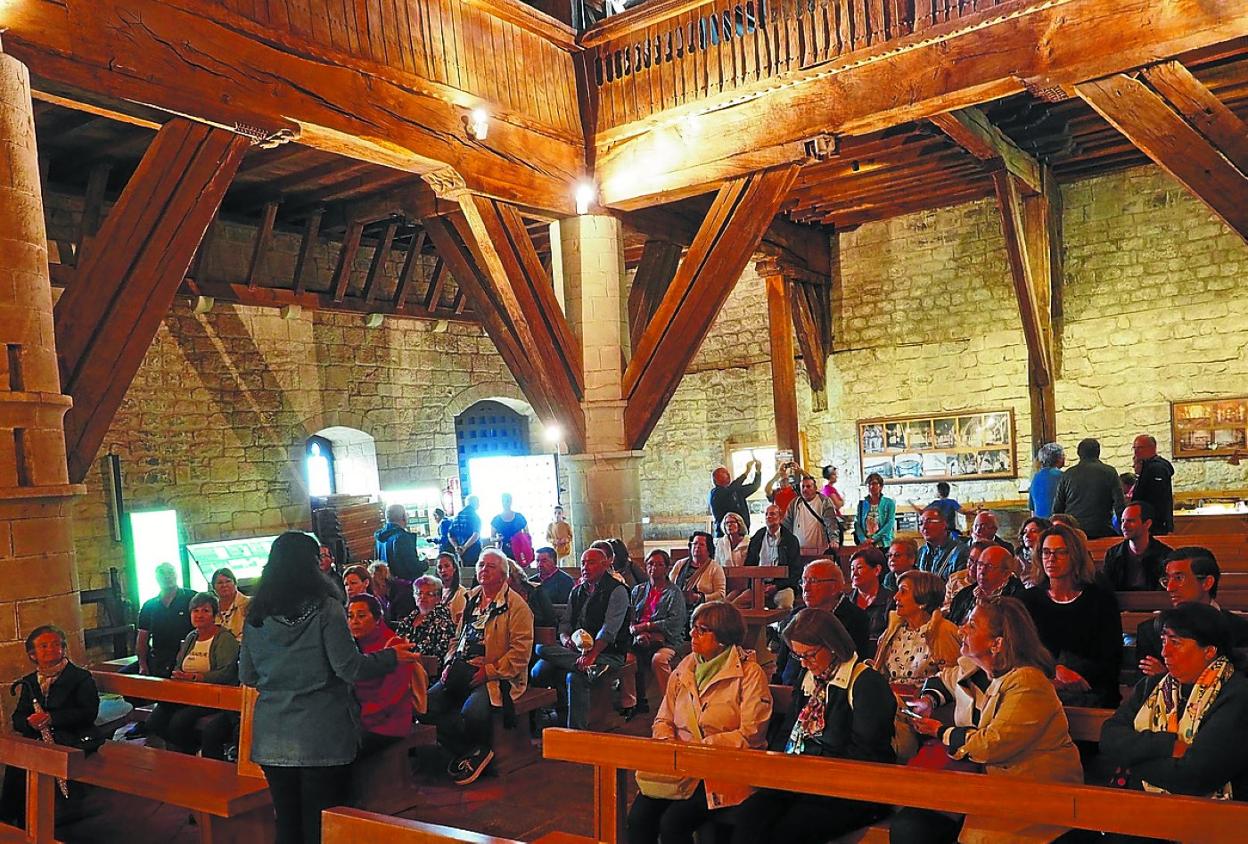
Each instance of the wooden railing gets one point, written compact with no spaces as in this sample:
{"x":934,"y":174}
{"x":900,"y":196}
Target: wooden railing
{"x":503,"y":52}
{"x":975,"y":795}
{"x":672,"y":52}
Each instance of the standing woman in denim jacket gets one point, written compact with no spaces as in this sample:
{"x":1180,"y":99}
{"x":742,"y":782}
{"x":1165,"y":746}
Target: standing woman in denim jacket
{"x":301,"y":657}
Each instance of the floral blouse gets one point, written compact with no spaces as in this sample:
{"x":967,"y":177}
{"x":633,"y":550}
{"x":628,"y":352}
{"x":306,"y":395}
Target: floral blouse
{"x":433,"y":636}
{"x":909,"y":658}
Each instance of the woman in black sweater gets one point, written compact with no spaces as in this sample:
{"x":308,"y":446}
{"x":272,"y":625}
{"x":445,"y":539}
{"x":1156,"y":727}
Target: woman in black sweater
{"x":1077,"y":620}
{"x":842,"y":709}
{"x":1183,"y":732}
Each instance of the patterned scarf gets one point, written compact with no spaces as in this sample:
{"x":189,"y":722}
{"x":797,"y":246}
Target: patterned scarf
{"x":47,"y":678}
{"x":1163,"y":711}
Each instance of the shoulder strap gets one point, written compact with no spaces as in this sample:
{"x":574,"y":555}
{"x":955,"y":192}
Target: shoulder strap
{"x":859,"y":667}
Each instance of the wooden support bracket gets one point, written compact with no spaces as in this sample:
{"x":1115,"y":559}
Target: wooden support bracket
{"x":659,"y":260}
{"x":131,"y":271}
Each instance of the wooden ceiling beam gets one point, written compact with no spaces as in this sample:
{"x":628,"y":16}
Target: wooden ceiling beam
{"x":520,"y":286}
{"x":970,"y":129}
{"x":951,"y":68}
{"x":196,"y":58}
{"x":380,"y":252}
{"x":657,"y":267}
{"x":732,"y":231}
{"x":1202,"y":108}
{"x":410,"y":263}
{"x":311,"y":237}
{"x":260,"y":247}
{"x":130,"y":272}
{"x":311,"y":300}
{"x":346,"y":259}
{"x":1162,"y":132}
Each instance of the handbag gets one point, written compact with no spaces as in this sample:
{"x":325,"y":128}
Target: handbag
{"x":670,"y":786}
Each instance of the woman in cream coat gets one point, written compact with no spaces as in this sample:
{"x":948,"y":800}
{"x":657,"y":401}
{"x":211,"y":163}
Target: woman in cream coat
{"x":717,"y":696}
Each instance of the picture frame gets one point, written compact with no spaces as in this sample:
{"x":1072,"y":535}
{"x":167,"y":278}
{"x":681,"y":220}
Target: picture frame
{"x":966,"y":445}
{"x":1215,"y":427}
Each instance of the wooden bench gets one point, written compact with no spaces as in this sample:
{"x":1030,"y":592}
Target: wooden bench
{"x":1230,"y":549}
{"x":514,"y":749}
{"x":382,"y":782}
{"x":112,"y":626}
{"x":44,"y":764}
{"x":603,"y":716}
{"x":342,"y":825}
{"x":1041,"y":805}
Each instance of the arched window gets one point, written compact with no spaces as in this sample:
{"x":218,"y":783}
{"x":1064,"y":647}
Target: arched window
{"x":319,"y":466}
{"x":488,"y":429}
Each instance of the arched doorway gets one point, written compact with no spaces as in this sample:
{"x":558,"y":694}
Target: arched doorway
{"x":489,"y":428}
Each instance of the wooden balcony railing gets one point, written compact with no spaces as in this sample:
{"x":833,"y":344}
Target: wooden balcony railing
{"x":503,"y":52}
{"x":673,"y":52}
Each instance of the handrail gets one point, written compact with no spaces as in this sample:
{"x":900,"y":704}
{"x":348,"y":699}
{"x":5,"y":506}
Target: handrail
{"x":1050,"y":804}
{"x":209,"y":695}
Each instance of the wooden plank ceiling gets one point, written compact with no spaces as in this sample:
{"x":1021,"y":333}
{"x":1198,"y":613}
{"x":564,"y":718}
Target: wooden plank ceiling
{"x":294,"y":189}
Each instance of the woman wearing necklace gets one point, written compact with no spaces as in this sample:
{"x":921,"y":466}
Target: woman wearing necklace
{"x":1182,"y":732}
{"x":231,"y":604}
{"x":1077,"y":620}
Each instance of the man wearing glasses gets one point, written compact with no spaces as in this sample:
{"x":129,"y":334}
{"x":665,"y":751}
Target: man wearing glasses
{"x":823,"y":588}
{"x":941,"y":553}
{"x":1192,"y":576}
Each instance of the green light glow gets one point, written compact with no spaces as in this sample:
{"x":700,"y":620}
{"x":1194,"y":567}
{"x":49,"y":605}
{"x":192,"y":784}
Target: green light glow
{"x":154,"y":536}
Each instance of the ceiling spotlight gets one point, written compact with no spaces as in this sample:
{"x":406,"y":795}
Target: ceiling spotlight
{"x":584,"y":196}
{"x":478,"y":123}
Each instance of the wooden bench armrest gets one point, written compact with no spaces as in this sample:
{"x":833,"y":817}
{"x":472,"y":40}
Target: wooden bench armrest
{"x":210,"y":695}
{"x":52,"y":760}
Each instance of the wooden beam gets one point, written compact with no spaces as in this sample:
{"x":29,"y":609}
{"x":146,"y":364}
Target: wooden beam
{"x":1027,"y":224}
{"x":437,"y":280}
{"x":519,"y":286}
{"x":131,"y":271}
{"x":264,"y":236}
{"x":1162,"y":134}
{"x":1212,"y":118}
{"x":659,"y":260}
{"x":93,"y":204}
{"x":311,"y":233}
{"x":988,"y":56}
{"x":313,"y":300}
{"x":379,"y":260}
{"x":409,"y":268}
{"x":184,"y":57}
{"x":813,"y":337}
{"x":970,"y":129}
{"x":725,"y":242}
{"x":346,"y":259}
{"x":783,"y":366}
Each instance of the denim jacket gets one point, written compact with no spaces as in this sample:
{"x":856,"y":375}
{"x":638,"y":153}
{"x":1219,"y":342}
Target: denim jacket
{"x":669,"y":614}
{"x":306,"y":714}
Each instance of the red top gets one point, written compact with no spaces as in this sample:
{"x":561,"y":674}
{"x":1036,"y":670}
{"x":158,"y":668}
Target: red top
{"x":385,"y":702}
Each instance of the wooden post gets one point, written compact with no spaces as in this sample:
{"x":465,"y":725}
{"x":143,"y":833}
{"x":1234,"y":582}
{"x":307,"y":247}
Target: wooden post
{"x":611,"y":798}
{"x":783,"y":366}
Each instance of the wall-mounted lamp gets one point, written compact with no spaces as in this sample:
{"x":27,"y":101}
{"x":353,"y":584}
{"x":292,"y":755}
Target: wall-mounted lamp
{"x":584,"y":196}
{"x":553,"y":433}
{"x":478,"y":123}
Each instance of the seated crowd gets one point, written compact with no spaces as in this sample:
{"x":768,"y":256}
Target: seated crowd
{"x":949,"y":653}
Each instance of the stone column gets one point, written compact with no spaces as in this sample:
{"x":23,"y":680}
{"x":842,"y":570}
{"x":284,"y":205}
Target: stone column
{"x":38,"y":575}
{"x":605,"y":481}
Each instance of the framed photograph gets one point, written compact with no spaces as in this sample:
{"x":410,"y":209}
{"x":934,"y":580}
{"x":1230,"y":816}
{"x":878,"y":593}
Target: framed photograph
{"x":939,"y":447}
{"x":1209,"y":427}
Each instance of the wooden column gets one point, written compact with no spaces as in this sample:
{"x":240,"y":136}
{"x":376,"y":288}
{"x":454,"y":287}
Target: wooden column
{"x":1178,"y":123}
{"x":131,"y":270}
{"x":783,"y":365}
{"x":741,"y":212}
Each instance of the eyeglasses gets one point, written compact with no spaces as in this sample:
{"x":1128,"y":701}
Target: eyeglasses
{"x":429,"y":593}
{"x":804,"y":656}
{"x":701,"y":628}
{"x":1178,"y":578}
{"x":806,"y":581}
{"x":1050,"y":553}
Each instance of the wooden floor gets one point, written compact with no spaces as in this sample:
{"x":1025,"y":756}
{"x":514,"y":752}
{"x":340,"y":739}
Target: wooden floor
{"x":517,"y":806}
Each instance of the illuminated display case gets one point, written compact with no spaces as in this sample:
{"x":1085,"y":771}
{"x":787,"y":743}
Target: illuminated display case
{"x":244,"y":557}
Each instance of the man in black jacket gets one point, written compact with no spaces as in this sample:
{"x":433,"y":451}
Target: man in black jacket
{"x":775,"y":545}
{"x":1153,"y":483}
{"x":728,"y":495}
{"x":1090,"y":491}
{"x":598,"y":606}
{"x":1138,"y":562}
{"x":992,"y":578}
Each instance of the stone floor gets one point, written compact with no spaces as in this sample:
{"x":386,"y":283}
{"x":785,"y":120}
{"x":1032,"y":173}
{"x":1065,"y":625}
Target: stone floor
{"x":520,"y":806}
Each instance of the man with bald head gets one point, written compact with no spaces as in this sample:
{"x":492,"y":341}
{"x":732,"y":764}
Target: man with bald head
{"x":396,"y":546}
{"x":1153,"y":483}
{"x":728,"y":496}
{"x":993,"y":576}
{"x":598,"y":605}
{"x":985,"y":528}
{"x":823,"y":588}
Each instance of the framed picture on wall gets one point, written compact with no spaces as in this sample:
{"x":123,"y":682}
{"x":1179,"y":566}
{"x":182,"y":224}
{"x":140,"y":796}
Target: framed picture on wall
{"x":939,"y":447}
{"x":1209,"y":427}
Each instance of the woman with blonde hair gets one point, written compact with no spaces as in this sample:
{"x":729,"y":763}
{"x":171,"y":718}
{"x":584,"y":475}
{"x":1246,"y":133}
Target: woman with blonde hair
{"x":1077,"y":619}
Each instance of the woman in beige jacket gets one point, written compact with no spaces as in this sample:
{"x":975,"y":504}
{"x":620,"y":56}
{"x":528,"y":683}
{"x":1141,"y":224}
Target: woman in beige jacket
{"x":717,"y":696}
{"x":1007,"y":716}
{"x":918,"y":641}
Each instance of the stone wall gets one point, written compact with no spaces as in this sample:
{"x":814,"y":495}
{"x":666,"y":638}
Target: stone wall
{"x":925,"y":320}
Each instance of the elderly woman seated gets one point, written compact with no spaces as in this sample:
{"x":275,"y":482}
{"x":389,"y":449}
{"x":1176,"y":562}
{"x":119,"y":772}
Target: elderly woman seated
{"x":209,"y":654}
{"x":386,"y":702}
{"x":919,"y":641}
{"x":231,"y":604}
{"x":429,"y":627}
{"x":394,"y":593}
{"x":658,"y":629}
{"x":717,"y":696}
{"x":1006,"y":715}
{"x":841,"y":709}
{"x":1183,"y":732}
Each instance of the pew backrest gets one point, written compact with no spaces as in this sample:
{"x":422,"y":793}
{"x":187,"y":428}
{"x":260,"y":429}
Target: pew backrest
{"x":343,"y":825}
{"x":43,"y":764}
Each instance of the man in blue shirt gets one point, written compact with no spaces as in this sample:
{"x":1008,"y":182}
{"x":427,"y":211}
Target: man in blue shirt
{"x":1051,"y":457}
{"x":555,"y":583}
{"x":941,"y":553}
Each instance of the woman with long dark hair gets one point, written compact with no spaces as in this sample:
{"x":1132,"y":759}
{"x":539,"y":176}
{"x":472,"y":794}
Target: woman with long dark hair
{"x":299,"y":654}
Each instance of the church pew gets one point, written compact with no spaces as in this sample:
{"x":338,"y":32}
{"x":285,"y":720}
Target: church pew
{"x":1154,"y":601}
{"x":342,"y":825}
{"x":1049,"y":805}
{"x":1229,"y":549}
{"x":43,"y":764}
{"x":514,"y":749}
